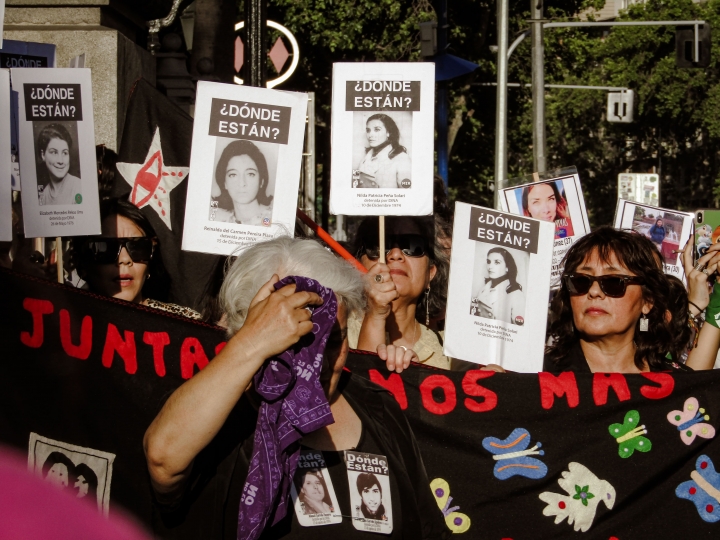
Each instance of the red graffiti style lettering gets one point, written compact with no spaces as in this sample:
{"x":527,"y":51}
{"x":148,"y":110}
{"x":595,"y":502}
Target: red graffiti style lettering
{"x":426,"y":389}
{"x":666,"y":382}
{"x":471,"y":387}
{"x":37,"y":308}
{"x":82,"y":350}
{"x":394,"y":384}
{"x":158,"y":341}
{"x":602,"y":382}
{"x":125,"y":347}
{"x":192,"y":354}
{"x":219,"y":347}
{"x":562,"y":385}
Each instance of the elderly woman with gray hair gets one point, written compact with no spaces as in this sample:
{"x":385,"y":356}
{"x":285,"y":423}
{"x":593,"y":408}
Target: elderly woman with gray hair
{"x":202,"y":448}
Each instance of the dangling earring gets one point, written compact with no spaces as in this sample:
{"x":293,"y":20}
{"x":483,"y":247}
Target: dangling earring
{"x":427,"y":306}
{"x":644,"y":323}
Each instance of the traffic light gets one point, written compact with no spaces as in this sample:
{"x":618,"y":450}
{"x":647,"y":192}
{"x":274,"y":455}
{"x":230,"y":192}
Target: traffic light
{"x":685,"y":46}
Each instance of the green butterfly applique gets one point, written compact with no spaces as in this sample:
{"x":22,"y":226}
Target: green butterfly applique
{"x":629,"y":436}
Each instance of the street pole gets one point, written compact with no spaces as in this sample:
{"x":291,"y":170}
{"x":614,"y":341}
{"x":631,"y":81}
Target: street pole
{"x":501,"y":100}
{"x":442,"y":99}
{"x":255,"y":38}
{"x":538,"y":86}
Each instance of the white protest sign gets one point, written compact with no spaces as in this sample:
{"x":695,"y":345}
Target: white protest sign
{"x":244,"y":166}
{"x":60,"y":184}
{"x":638,"y":187}
{"x":557,"y":200}
{"x":382,"y":139}
{"x":5,"y":162}
{"x":499,"y":288}
{"x":669,"y":230}
{"x":2,"y":20}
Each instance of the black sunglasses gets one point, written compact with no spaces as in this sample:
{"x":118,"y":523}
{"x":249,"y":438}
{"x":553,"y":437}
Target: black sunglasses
{"x":412,"y":245}
{"x":107,"y":250}
{"x":612,"y":286}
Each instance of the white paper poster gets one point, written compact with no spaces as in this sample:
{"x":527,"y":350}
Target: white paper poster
{"x":558,"y":200}
{"x":312,"y":491}
{"x":2,"y":20}
{"x":60,"y":184}
{"x":669,"y":230}
{"x":244,"y":166}
{"x":5,"y":161}
{"x":382,"y":139}
{"x":499,"y":288}
{"x":370,"y":497}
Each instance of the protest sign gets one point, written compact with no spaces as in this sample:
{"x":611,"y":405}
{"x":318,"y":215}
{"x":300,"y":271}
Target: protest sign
{"x":60,"y":191}
{"x":557,"y":198}
{"x":382,"y":139}
{"x":496,"y":313}
{"x":2,"y":20}
{"x":22,"y":54}
{"x":244,"y":167}
{"x":5,"y":161}
{"x":669,"y":230}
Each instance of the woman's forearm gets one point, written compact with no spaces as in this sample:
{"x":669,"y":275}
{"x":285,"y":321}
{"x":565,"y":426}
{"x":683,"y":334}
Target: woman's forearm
{"x":372,"y":333}
{"x":703,"y":356}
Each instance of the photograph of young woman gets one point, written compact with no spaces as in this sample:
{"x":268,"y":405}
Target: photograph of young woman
{"x":547,"y":202}
{"x":242,"y":177}
{"x":500,"y":296}
{"x":313,"y":493}
{"x":386,"y":163}
{"x":53,"y":148}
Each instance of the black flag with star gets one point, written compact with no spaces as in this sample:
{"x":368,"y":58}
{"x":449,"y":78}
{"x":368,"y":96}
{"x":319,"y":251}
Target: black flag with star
{"x":153,"y":162}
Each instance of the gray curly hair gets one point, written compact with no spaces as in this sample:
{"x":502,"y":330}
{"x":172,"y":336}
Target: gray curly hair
{"x":287,"y":256}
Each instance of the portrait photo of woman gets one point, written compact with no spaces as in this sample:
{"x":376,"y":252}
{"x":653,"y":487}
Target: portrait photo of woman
{"x":55,"y":155}
{"x":497,"y":291}
{"x":313,"y":493}
{"x":241,"y":191}
{"x":385,"y":162}
{"x":371,"y":498}
{"x":58,"y":469}
{"x":547,"y":202}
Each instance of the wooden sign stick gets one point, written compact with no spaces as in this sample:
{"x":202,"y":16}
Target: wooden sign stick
{"x":59,"y":260}
{"x":382,"y":239}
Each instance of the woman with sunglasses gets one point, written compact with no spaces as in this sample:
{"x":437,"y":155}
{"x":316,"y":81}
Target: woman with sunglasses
{"x":612,"y":313}
{"x":120,"y":262}
{"x":409,"y":288}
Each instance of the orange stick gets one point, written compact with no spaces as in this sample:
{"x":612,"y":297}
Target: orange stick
{"x":329,"y":240}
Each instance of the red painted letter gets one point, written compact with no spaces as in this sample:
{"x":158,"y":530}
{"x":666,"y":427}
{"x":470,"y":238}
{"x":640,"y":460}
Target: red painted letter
{"x":81,"y":351}
{"x":191,"y":354}
{"x":602,"y":382}
{"x":38,"y":308}
{"x":394,"y":384}
{"x":438,"y":381}
{"x":666,"y":382}
{"x":563,"y":384}
{"x":219,"y":347}
{"x":471,"y":387}
{"x":158,"y":340}
{"x":124,"y":347}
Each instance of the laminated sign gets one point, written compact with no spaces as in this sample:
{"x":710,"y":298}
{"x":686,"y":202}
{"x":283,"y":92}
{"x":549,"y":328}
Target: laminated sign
{"x":244,"y":166}
{"x":382,"y":139}
{"x":5,"y":162}
{"x":669,"y":230}
{"x":557,"y":199}
{"x":496,"y":313}
{"x":57,"y":135}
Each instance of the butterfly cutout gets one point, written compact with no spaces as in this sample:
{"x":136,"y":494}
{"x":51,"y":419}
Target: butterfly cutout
{"x":703,"y":490}
{"x":513,"y":457}
{"x":629,"y":435}
{"x":456,"y":521}
{"x":690,"y":423}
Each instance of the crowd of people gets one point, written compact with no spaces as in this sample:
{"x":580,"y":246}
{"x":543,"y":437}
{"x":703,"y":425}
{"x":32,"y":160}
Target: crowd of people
{"x":616,"y":311}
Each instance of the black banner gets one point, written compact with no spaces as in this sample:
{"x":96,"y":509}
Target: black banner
{"x":250,"y":121}
{"x":504,"y":229}
{"x":382,"y":95}
{"x":53,"y":102}
{"x":509,"y":456}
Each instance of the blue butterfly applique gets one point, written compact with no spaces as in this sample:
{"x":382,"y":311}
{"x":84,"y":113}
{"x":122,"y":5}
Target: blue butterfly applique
{"x":513,"y":456}
{"x":703,"y":490}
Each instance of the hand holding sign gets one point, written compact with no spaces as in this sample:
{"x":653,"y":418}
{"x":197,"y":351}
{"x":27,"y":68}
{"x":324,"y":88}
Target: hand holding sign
{"x":381,"y":291}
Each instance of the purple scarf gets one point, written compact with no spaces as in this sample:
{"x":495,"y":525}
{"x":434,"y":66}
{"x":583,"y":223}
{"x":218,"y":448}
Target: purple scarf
{"x":293,"y":404}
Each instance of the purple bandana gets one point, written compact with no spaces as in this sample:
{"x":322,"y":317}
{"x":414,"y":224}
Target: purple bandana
{"x":293,"y":404}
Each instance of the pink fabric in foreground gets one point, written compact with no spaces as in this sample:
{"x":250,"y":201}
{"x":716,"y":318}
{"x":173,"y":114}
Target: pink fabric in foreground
{"x":31,"y":508}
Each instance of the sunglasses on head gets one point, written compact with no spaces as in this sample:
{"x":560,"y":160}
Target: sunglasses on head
{"x":107,"y":250}
{"x":411,"y":245}
{"x":612,"y":286}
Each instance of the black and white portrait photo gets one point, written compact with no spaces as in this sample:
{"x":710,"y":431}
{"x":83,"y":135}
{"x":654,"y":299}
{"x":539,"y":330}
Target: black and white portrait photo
{"x":381,"y":149}
{"x":499,"y":283}
{"x":244,"y":182}
{"x":84,"y":472}
{"x":312,"y":491}
{"x":57,"y":163}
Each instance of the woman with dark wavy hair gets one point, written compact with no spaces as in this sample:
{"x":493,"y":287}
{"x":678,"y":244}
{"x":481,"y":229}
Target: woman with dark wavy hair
{"x":54,"y":144}
{"x":501,"y":296}
{"x":613,"y":312}
{"x":386,"y":163}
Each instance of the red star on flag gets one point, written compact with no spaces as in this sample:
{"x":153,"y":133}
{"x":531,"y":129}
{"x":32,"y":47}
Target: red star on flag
{"x":153,"y":180}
